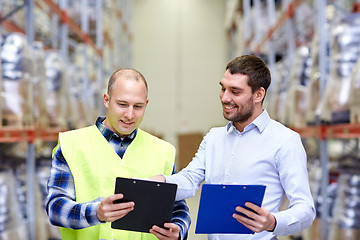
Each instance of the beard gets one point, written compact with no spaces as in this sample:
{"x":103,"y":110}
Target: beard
{"x":244,"y":114}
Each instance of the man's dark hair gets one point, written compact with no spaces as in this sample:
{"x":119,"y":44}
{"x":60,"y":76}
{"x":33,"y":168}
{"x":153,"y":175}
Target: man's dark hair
{"x":253,"y":67}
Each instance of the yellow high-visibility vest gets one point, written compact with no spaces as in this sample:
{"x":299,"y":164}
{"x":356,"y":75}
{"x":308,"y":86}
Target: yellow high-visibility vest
{"x":95,"y":165}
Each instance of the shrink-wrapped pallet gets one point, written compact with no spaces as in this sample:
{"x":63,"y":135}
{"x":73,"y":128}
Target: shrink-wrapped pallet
{"x":296,"y":98}
{"x":39,"y":86}
{"x":43,"y":172}
{"x":18,"y":18}
{"x":88,"y":80}
{"x":347,"y":211}
{"x":280,"y":96}
{"x":345,"y":53}
{"x":271,"y":103}
{"x":354,"y":98}
{"x":21,"y":191}
{"x":55,"y":99}
{"x":12,"y":222}
{"x":313,"y":86}
{"x":78,"y":110}
{"x":16,"y":80}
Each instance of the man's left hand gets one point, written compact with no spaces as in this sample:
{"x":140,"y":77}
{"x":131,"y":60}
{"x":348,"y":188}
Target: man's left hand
{"x":171,"y":233}
{"x":261,"y":220}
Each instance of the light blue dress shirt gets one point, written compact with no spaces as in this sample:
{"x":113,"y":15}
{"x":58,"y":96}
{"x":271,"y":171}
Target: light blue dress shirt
{"x":266,"y":153}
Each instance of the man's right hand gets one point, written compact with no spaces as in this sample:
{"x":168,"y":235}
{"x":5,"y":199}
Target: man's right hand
{"x":109,"y":211}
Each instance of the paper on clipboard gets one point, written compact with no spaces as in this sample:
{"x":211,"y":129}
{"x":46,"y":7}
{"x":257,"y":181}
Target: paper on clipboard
{"x":218,"y":203}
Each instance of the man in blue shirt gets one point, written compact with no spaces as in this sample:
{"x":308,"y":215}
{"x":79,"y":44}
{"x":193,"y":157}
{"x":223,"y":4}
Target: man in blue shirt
{"x":252,"y":149}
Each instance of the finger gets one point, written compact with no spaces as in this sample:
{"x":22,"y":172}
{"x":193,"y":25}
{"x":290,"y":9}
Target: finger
{"x":240,"y":218}
{"x":112,"y":198}
{"x":114,"y":215}
{"x":158,"y":232}
{"x":253,"y":206}
{"x":121,"y":206}
{"x":249,"y":223}
{"x":252,"y":228}
{"x":172,"y":226}
{"x":111,"y":207}
{"x":246,"y":212}
{"x":172,"y":231}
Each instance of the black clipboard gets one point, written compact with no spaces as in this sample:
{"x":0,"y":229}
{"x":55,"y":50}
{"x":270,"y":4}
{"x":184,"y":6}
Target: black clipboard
{"x":154,"y":203}
{"x":218,"y":203}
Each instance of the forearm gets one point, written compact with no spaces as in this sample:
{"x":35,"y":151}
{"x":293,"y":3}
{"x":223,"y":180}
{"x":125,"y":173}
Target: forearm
{"x":294,"y":220}
{"x":188,"y":180}
{"x":181,"y":217}
{"x":185,"y":187}
{"x":61,"y":205}
{"x":292,"y":167}
{"x":69,"y":214}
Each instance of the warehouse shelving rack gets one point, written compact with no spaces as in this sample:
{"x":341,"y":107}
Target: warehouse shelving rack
{"x":323,"y":132}
{"x":253,"y":42}
{"x":29,"y":135}
{"x":104,"y":39}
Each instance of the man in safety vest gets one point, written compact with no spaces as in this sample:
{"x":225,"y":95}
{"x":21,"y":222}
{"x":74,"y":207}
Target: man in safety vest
{"x":87,"y":161}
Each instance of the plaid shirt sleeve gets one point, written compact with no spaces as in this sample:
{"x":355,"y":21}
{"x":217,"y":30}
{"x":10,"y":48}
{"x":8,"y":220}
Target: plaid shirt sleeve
{"x":64,"y":211}
{"x":61,"y":206}
{"x":181,"y":216}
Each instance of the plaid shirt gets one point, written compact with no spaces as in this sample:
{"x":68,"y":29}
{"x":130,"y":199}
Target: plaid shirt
{"x":61,"y":205}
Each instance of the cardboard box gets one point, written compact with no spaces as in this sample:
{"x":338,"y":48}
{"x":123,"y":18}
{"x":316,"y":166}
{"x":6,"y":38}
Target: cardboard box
{"x":188,"y":145}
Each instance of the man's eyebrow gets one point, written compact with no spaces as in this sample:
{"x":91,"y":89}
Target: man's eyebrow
{"x":236,"y":88}
{"x":231,"y":87}
{"x":123,"y":101}
{"x":140,"y":103}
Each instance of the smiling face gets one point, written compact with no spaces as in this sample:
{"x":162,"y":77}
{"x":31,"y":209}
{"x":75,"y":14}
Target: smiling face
{"x":240,"y":104}
{"x":125,"y":105}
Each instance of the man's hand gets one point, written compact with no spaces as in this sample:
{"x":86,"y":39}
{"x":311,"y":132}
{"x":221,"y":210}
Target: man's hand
{"x":109,"y":211}
{"x":261,"y":220}
{"x":172,"y":233}
{"x":159,"y":178}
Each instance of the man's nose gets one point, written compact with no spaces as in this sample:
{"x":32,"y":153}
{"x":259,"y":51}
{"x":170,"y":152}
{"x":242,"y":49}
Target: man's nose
{"x":129,"y":114}
{"x":225,"y":96}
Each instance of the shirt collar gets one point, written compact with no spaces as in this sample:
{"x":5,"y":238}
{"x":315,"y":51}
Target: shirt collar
{"x":260,"y":122}
{"x":107,"y":133}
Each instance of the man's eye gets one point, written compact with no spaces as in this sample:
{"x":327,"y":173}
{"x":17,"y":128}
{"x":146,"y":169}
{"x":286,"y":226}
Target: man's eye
{"x":122,"y":104}
{"x":137,"y":107}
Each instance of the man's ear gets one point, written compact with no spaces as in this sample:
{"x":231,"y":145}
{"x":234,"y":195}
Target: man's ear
{"x":106,"y":100}
{"x":259,"y":95}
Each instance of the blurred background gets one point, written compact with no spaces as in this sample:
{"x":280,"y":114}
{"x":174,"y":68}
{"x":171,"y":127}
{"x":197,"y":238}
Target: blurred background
{"x":57,"y":56}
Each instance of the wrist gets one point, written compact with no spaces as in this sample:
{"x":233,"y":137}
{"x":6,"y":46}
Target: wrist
{"x":273,"y":224}
{"x":98,"y":213}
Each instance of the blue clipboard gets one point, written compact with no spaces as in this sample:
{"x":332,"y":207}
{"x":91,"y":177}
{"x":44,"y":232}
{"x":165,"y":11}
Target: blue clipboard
{"x":218,"y":203}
